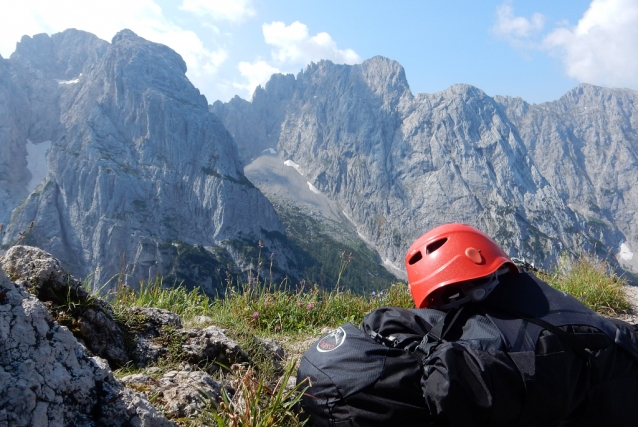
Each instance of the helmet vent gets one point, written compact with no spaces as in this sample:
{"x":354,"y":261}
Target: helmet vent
{"x":435,"y":245}
{"x":415,"y":258}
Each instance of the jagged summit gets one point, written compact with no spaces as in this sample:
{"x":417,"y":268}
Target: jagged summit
{"x":60,"y":56}
{"x":541,"y":178}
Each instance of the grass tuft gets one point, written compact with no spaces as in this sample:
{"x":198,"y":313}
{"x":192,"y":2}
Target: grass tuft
{"x":255,"y":403}
{"x":591,"y":280}
{"x":304,"y":309}
{"x":177,"y":299}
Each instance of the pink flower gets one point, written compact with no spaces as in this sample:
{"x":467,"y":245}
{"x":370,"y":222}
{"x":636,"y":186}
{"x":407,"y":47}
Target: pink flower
{"x":300,"y":304}
{"x":310,"y":306}
{"x":255,"y":315}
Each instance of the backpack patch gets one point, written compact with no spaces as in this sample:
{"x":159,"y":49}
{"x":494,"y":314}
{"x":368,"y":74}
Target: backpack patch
{"x":332,"y":341}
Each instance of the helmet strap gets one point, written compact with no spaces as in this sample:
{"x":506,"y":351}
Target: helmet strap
{"x":475,"y":293}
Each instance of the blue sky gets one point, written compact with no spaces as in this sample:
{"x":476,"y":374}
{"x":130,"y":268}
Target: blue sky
{"x":536,"y":50}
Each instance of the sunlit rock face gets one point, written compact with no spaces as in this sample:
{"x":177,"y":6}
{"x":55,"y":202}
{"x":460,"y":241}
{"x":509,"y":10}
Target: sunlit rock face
{"x":541,"y":179}
{"x":137,"y":167}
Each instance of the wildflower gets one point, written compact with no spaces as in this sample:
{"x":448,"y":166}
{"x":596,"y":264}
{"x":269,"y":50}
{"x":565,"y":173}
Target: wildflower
{"x":299,"y":304}
{"x":374,"y":293}
{"x":310,"y":306}
{"x":255,"y":315}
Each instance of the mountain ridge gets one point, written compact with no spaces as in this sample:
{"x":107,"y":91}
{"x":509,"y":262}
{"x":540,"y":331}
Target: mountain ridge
{"x":407,"y":163}
{"x":138,"y":170}
{"x":143,"y":180}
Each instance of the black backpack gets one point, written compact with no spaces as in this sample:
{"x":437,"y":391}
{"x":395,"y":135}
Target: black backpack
{"x":479,"y":366}
{"x":357,"y":380}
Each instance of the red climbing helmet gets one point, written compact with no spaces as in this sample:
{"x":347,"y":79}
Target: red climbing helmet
{"x":447,"y":255}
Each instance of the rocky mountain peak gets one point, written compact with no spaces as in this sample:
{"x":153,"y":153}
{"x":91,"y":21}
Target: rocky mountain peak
{"x":62,"y":56}
{"x":541,"y":179}
{"x":128,"y":45}
{"x":142,"y":178}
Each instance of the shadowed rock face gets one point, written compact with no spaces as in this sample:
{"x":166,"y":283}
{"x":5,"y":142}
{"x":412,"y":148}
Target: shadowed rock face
{"x":136,"y":165}
{"x":541,"y":179}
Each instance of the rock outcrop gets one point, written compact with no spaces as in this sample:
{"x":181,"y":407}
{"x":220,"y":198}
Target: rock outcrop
{"x":47,"y":377}
{"x":90,"y":317}
{"x":541,"y":179}
{"x":58,"y":344}
{"x":183,"y":393}
{"x":136,"y":336}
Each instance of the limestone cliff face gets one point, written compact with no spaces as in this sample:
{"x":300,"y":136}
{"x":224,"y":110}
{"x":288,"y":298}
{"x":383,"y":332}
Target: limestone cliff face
{"x":541,"y":179}
{"x":13,"y":129}
{"x":586,"y":146}
{"x":138,"y":170}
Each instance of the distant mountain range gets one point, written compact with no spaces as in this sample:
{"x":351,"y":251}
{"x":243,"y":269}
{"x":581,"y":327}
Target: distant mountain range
{"x":541,"y":179}
{"x":112,"y":161}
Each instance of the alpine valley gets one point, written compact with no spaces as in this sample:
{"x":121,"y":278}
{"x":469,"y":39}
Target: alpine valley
{"x":114,"y":163}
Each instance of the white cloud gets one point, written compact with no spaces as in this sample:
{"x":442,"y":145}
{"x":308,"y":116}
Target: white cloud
{"x":228,"y":10}
{"x":254,"y":75}
{"x":294,"y":48}
{"x":104,"y":19}
{"x":294,"y":45}
{"x":601,"y":48}
{"x":515,"y":28}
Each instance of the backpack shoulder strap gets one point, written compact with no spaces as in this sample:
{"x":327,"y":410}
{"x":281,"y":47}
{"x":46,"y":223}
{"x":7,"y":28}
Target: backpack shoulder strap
{"x":437,"y":334}
{"x":577,"y":346}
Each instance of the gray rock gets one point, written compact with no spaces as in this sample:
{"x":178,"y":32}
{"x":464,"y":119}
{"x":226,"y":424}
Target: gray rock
{"x":181,"y":393}
{"x":147,"y":325}
{"x":187,"y":393}
{"x":142,"y":180}
{"x":202,"y":320}
{"x":47,"y":378}
{"x":46,"y":279}
{"x":212,"y":344}
{"x":541,"y":179}
{"x":103,"y":336}
{"x":152,"y":320}
{"x":273,"y":351}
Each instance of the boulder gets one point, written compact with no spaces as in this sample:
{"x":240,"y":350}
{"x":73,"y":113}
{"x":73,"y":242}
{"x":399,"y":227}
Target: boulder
{"x":182,"y":393}
{"x":90,"y":318}
{"x":211,"y":344}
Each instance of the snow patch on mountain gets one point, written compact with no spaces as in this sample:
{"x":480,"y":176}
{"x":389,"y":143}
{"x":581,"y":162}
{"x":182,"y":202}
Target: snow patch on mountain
{"x":293,"y":165}
{"x":625,"y":252}
{"x":313,"y":188}
{"x":69,"y":82}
